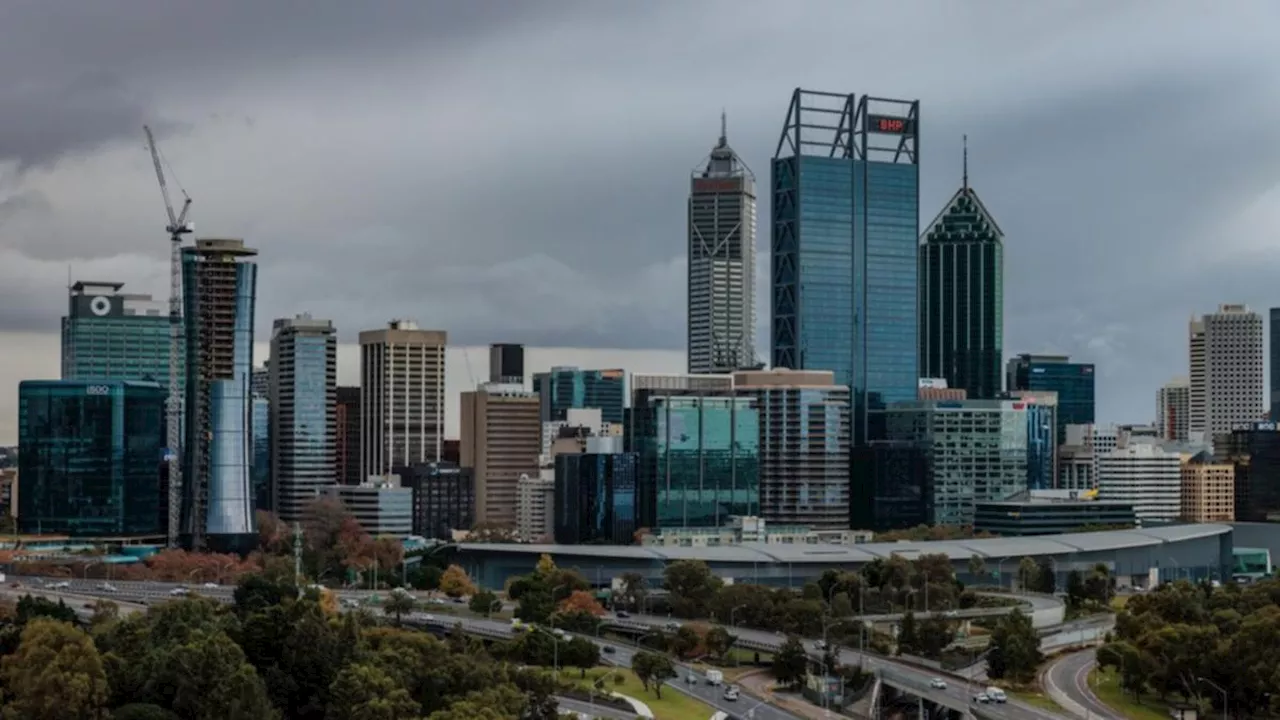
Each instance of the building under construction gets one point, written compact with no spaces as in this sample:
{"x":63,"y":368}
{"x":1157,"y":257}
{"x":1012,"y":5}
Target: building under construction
{"x":219,"y":283}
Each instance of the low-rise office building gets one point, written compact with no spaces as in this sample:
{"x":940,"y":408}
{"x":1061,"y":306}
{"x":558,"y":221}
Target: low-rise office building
{"x":382,"y":506}
{"x":1034,"y":516}
{"x":444,"y":498}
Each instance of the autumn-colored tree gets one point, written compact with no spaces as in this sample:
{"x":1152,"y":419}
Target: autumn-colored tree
{"x":55,"y":674}
{"x":546,"y":566}
{"x":274,"y":535}
{"x":455,"y":582}
{"x":582,"y":601}
{"x":389,"y":552}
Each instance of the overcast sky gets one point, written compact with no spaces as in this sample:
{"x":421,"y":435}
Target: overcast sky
{"x":517,"y":171}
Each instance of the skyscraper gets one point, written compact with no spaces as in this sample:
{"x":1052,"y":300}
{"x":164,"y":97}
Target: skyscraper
{"x":110,"y":334}
{"x":1226,"y":370}
{"x":506,"y":363}
{"x":219,"y":281}
{"x":845,"y":181}
{"x":347,"y":460}
{"x":501,"y":440}
{"x":1074,"y":383}
{"x":1173,"y":409}
{"x":962,"y":295}
{"x":304,"y":423}
{"x":722,"y":262}
{"x":402,"y":397}
{"x":1274,"y":362}
{"x":569,"y":388}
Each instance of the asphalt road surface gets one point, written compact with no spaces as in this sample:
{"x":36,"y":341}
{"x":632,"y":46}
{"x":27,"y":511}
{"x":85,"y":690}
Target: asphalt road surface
{"x":593,"y":710}
{"x":1070,"y":676}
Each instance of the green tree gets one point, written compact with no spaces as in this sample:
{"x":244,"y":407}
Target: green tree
{"x":455,"y":583}
{"x":580,"y":653}
{"x":977,"y":568}
{"x":255,"y":593}
{"x":790,"y":663}
{"x":634,"y":589}
{"x":366,"y":692}
{"x":1075,"y":589}
{"x":1046,"y":577}
{"x":208,"y":678}
{"x":1027,"y":573}
{"x":30,"y":608}
{"x":684,"y":642}
{"x":907,"y":639}
{"x":933,"y":636}
{"x":399,"y":603}
{"x":718,"y":641}
{"x":56,"y":674}
{"x":692,"y":586}
{"x":484,"y":602}
{"x":1014,"y":649}
{"x":142,"y":711}
{"x":841,"y":605}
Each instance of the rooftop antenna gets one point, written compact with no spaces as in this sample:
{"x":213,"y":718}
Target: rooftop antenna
{"x":966,"y":162}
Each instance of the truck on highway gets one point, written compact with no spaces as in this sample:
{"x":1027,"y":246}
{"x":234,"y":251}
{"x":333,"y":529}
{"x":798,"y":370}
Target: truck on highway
{"x":714,"y":677}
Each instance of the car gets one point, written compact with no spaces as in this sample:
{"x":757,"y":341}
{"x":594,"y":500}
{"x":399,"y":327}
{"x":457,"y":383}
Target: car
{"x":672,"y":626}
{"x":622,"y":614}
{"x":429,"y":618}
{"x":60,"y":585}
{"x":982,"y":698}
{"x":607,"y":650}
{"x":731,"y":693}
{"x":178,"y":591}
{"x":819,"y":645}
{"x":108,"y":587}
{"x":211,"y":585}
{"x":950,"y":613}
{"x":692,"y":679}
{"x":938,"y":684}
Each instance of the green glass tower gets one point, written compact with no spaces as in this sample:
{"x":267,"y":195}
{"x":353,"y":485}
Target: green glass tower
{"x":962,"y":296}
{"x":110,"y":334}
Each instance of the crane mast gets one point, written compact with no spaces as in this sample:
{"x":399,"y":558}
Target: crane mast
{"x":177,"y":227}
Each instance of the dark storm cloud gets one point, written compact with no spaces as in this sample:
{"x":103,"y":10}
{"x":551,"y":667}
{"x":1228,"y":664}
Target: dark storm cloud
{"x":78,"y":74}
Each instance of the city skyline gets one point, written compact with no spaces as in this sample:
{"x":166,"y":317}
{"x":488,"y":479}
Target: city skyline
{"x":1064,"y":279}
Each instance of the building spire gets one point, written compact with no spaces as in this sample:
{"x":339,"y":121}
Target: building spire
{"x":966,"y":162}
{"x":724,"y":128}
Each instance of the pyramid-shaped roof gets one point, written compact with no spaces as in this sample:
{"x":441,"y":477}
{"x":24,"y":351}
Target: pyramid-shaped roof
{"x":964,"y":217}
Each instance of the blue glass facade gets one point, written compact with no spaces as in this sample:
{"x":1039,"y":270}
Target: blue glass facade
{"x":90,"y":457}
{"x":1073,"y":382}
{"x":218,"y":491}
{"x":570,"y":388}
{"x":1042,"y":446}
{"x":596,"y":499}
{"x":304,"y":425}
{"x":844,"y":251}
{"x":262,"y":488}
{"x":698,"y":458}
{"x":1273,"y":362}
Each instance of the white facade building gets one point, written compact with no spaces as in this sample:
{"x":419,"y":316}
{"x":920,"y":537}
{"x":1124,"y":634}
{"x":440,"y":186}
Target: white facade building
{"x":1173,"y":410}
{"x":535,"y":506}
{"x":1226,"y":370}
{"x":1146,"y":475}
{"x":381,"y":506}
{"x":401,"y":397}
{"x":722,"y":262}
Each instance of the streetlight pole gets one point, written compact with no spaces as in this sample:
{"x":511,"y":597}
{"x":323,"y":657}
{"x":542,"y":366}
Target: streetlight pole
{"x":1218,"y":687}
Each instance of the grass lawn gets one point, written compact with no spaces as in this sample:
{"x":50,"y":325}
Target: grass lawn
{"x":1106,"y":685}
{"x":674,"y":705}
{"x":1036,"y":697}
{"x":739,"y":662}
{"x":1119,"y":601}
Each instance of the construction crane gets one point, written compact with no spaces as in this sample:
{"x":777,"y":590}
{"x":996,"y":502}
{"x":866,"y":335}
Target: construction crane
{"x":177,"y":227}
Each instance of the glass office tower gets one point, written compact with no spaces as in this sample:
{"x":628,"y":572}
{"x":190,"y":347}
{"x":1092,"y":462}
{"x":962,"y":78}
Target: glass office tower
{"x":218,"y":284}
{"x":304,"y":412}
{"x":110,"y":334}
{"x":1073,"y":382}
{"x":90,"y":454}
{"x":845,"y":231}
{"x":698,"y":457}
{"x":570,"y":388}
{"x":262,"y":487}
{"x":595,"y":498}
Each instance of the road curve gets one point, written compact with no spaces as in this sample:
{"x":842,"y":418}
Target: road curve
{"x":1066,"y":680}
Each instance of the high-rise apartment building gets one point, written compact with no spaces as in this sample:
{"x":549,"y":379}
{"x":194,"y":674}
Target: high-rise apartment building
{"x":402,"y":397}
{"x":218,"y":289}
{"x":569,"y":388}
{"x":535,"y":507}
{"x":1173,"y":410}
{"x":90,"y":457}
{"x":1226,"y":370}
{"x":110,"y":334}
{"x":722,"y":262}
{"x":1274,"y":365}
{"x":1146,"y":475}
{"x":501,"y":440}
{"x":804,"y":438}
{"x":304,"y":406}
{"x":1073,"y":382}
{"x":845,"y":232}
{"x":962,"y":296}
{"x":347,"y":459}
{"x":697,"y":448}
{"x":1208,"y":490}
{"x":506,"y":363}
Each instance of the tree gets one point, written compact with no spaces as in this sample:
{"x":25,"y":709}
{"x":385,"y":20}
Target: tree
{"x":790,"y":663}
{"x":455,"y":583}
{"x":933,"y":636}
{"x":977,"y":567}
{"x":398,"y":603}
{"x":255,"y":593}
{"x":907,"y":639}
{"x":1027,"y":572}
{"x":583,"y":601}
{"x":718,"y":641}
{"x":142,"y":711}
{"x":1014,"y":649}
{"x":692,"y":587}
{"x":484,"y":603}
{"x":686,"y":642}
{"x":208,"y":678}
{"x":1046,"y":577}
{"x":273,"y":534}
{"x":841,"y":605}
{"x":580,"y":653}
{"x":634,"y":589}
{"x":29,"y":608}
{"x":367,"y":692}
{"x":1076,"y":593}
{"x":56,"y":674}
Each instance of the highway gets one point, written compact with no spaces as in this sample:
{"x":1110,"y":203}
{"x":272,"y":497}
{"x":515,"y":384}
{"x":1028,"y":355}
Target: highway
{"x":898,"y":673}
{"x":1067,"y":678}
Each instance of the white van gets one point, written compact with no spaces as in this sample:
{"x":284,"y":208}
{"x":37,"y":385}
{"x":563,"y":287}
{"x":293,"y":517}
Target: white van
{"x":996,"y":694}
